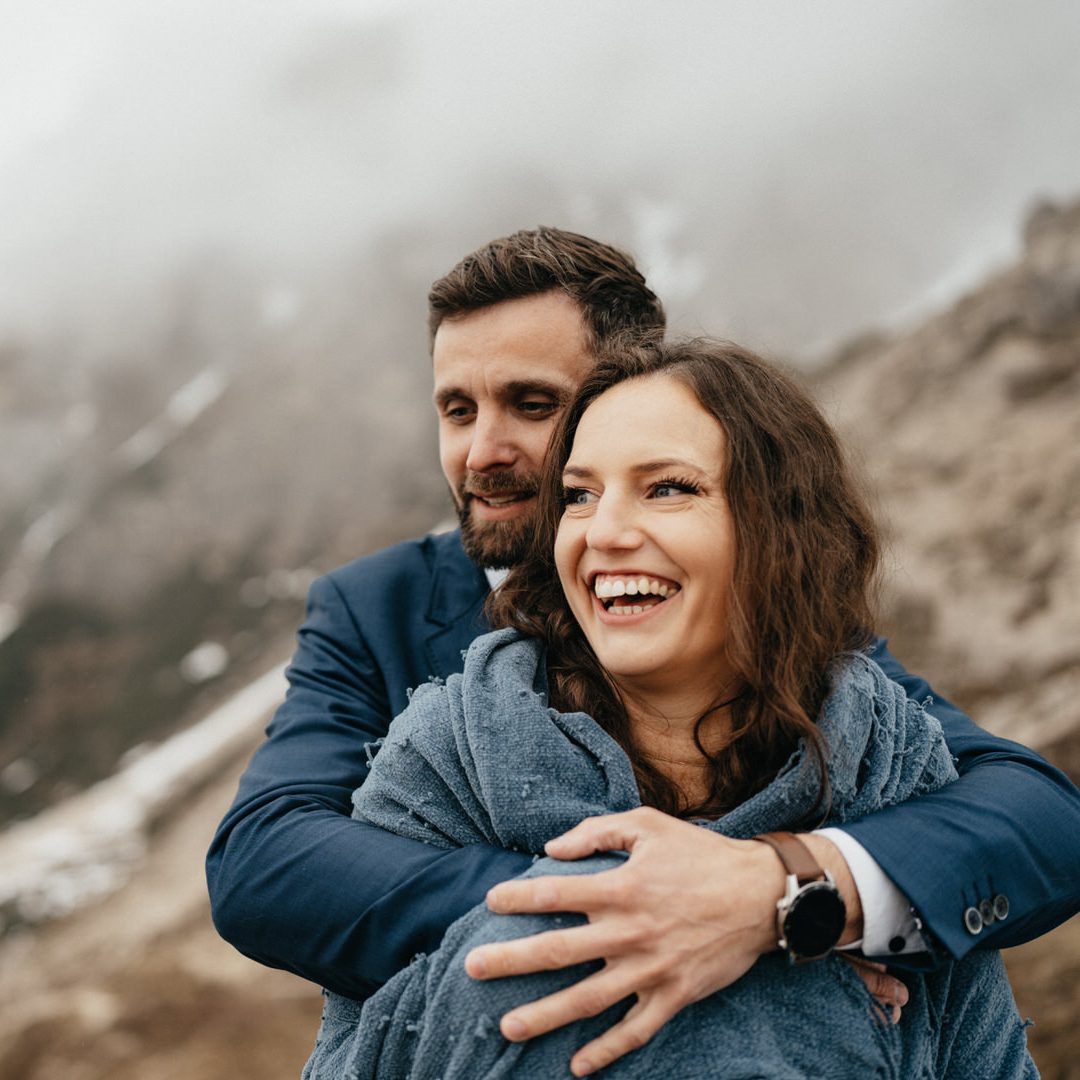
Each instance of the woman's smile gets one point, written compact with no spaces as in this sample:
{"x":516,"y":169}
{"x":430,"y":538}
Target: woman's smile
{"x":645,"y":548}
{"x":621,"y":594}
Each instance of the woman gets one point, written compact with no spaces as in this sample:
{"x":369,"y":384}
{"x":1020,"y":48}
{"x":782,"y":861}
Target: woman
{"x":685,"y":636}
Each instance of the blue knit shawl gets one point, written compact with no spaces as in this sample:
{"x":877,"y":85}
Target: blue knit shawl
{"x":482,"y":759}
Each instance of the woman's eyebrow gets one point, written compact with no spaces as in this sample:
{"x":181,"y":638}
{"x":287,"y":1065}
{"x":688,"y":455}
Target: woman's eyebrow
{"x":643,"y":469}
{"x":665,"y":464}
{"x":579,"y":472}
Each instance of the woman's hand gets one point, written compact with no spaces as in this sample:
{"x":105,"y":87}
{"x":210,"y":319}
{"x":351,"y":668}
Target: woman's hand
{"x":889,"y":992}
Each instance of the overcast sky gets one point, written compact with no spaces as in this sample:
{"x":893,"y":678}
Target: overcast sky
{"x":788,"y":171}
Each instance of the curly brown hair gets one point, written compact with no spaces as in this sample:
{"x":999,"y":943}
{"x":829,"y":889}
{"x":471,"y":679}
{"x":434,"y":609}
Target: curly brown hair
{"x":806,"y":564}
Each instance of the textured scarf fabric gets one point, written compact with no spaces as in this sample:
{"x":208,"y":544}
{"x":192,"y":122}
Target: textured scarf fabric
{"x":482,"y":759}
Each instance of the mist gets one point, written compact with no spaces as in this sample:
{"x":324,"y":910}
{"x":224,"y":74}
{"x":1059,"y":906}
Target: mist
{"x":785,"y":173}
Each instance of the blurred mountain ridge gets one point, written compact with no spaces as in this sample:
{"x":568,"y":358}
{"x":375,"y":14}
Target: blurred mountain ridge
{"x":183,"y":486}
{"x":969,"y":428}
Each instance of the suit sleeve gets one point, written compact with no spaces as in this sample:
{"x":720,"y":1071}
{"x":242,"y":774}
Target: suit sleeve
{"x":1009,"y":827}
{"x":296,"y":883}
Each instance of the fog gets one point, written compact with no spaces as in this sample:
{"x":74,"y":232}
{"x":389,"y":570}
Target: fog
{"x":785,"y":172}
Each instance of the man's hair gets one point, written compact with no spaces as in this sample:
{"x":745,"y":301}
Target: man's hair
{"x":803,"y":584}
{"x":603,"y":280}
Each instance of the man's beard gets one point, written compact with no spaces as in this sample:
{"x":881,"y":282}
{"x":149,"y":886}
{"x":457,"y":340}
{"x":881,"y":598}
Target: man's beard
{"x":495,"y":544}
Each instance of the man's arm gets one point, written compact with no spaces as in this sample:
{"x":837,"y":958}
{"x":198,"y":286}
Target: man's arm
{"x":687,"y":915}
{"x":1009,"y":827}
{"x":294,"y":881}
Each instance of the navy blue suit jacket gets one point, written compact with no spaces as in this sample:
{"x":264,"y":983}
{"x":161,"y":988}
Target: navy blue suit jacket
{"x":296,"y":883}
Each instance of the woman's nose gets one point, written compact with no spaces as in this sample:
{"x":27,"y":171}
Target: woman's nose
{"x":613,"y":526}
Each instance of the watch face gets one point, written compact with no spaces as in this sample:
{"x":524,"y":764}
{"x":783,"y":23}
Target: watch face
{"x":814,"y":922}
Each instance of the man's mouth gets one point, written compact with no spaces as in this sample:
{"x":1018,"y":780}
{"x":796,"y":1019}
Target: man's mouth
{"x":488,"y":508}
{"x":632,"y":594}
{"x":497,"y":501}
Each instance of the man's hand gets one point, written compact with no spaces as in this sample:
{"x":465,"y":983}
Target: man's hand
{"x":687,"y":914}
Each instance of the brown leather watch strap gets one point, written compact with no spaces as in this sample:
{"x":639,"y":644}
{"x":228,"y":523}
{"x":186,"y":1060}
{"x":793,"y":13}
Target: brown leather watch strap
{"x":795,"y":856}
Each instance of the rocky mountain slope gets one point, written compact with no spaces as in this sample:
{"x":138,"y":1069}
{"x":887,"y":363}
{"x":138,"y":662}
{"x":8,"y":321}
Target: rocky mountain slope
{"x":968,"y":428}
{"x":174,"y":479}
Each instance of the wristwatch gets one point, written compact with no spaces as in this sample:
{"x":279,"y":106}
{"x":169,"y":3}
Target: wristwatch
{"x":811,"y":915}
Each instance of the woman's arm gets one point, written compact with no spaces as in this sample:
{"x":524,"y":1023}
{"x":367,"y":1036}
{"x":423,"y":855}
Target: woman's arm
{"x":980,"y":1032}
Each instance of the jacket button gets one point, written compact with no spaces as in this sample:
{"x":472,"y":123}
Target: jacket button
{"x":973,"y":921}
{"x":1001,"y":906}
{"x":986,"y":912}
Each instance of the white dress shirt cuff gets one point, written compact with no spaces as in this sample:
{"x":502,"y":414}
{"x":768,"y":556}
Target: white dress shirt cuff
{"x":890,"y":927}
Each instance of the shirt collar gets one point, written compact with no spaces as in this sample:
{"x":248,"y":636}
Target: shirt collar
{"x":495,"y":577}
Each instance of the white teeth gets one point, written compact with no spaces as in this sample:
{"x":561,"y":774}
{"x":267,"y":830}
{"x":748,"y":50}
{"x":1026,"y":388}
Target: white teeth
{"x":607,"y":588}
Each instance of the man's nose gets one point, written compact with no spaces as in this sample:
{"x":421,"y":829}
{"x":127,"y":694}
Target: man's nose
{"x":491,"y":446}
{"x":613,"y":525}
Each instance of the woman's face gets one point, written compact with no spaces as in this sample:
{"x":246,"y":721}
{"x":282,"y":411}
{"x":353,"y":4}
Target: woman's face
{"x":646,"y":546}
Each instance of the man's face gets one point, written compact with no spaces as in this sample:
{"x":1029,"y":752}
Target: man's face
{"x":503,"y":375}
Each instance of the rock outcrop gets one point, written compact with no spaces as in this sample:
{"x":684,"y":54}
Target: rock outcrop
{"x":969,"y":430}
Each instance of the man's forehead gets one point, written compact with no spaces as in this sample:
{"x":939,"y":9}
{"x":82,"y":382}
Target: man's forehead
{"x":539,"y":338}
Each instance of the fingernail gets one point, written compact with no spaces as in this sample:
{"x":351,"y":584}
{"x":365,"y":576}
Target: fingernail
{"x":476,"y":965}
{"x":492,"y":901}
{"x":513,"y":1028}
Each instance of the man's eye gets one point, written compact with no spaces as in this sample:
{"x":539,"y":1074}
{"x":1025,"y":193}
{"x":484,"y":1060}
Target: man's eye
{"x":457,"y":413}
{"x":537,"y":408}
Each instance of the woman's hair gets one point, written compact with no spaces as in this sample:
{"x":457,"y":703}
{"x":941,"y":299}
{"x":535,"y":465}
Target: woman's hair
{"x":806,"y":559}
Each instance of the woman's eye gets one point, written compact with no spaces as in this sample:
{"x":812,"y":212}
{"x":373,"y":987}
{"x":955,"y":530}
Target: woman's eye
{"x":576,"y":496}
{"x":665,"y":489}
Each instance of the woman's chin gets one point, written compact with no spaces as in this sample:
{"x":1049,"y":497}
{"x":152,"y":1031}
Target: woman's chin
{"x":637,"y":664}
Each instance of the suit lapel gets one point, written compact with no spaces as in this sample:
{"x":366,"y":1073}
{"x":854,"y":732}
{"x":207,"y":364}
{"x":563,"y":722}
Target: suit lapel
{"x":458,"y":591}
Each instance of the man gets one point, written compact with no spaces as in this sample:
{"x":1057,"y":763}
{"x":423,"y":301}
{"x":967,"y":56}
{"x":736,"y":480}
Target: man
{"x":992,"y":860}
